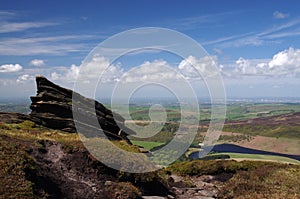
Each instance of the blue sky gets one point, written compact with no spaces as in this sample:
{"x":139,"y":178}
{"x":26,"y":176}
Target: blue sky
{"x":256,"y":44}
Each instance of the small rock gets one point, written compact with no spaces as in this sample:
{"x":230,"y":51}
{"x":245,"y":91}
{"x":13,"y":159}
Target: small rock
{"x":207,"y":193}
{"x":108,"y":183}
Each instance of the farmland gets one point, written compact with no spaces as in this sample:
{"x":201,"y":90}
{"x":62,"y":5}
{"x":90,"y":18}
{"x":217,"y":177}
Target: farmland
{"x":268,"y":127}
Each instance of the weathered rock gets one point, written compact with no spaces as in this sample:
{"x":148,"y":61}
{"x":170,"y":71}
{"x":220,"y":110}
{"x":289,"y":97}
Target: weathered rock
{"x":54,"y":106}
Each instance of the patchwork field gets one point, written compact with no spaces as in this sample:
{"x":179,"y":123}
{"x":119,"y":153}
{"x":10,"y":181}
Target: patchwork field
{"x":266,"y":127}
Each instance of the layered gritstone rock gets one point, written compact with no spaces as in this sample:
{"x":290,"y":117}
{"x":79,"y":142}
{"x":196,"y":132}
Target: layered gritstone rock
{"x":54,"y":106}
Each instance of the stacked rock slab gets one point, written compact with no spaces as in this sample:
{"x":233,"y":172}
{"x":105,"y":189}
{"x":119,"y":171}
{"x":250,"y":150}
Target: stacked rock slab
{"x":52,"y":107}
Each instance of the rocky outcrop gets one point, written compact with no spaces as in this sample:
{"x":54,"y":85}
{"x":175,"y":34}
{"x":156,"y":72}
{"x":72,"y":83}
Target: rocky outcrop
{"x":53,"y":107}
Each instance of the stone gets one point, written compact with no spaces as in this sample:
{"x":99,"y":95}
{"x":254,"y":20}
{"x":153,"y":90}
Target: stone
{"x":53,"y":107}
{"x":108,"y":183}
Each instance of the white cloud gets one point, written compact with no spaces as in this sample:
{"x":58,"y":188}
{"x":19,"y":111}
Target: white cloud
{"x":189,"y":23}
{"x":244,"y":67}
{"x":283,"y":64}
{"x":266,"y":36}
{"x":286,"y":62}
{"x":88,"y":72}
{"x":8,"y":68}
{"x":24,"y":78}
{"x":57,"y":45}
{"x":16,"y":27}
{"x":65,"y":74}
{"x":280,"y":15}
{"x":100,"y":68}
{"x":192,"y":67}
{"x":287,"y":58}
{"x":54,"y":76}
{"x":156,"y":71}
{"x":37,"y":62}
{"x":72,"y":73}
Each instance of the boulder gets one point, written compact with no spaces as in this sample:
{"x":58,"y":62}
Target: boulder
{"x":54,"y":106}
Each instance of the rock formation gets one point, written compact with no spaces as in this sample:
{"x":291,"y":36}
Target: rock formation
{"x":52,"y":107}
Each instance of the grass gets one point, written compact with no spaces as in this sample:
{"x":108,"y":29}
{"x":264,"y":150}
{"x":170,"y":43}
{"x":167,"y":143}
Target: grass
{"x":234,"y":111}
{"x":14,"y":163}
{"x":250,"y":179}
{"x":250,"y":111}
{"x":147,"y":145}
{"x":267,"y":181}
{"x":27,"y":130}
{"x":211,"y":167}
{"x":258,"y":157}
{"x":265,"y":130}
{"x":72,"y":141}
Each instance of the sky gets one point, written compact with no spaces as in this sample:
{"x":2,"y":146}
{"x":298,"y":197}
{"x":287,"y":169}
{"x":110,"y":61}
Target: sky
{"x":255,"y":45}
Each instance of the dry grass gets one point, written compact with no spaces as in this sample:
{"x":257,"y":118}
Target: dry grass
{"x":251,"y":179}
{"x":14,"y":163}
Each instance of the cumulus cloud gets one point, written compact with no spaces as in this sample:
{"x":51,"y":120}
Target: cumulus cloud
{"x":156,"y":71}
{"x":287,"y":58}
{"x":284,"y":63}
{"x":67,"y":74}
{"x":9,"y":68}
{"x":192,"y":67}
{"x":97,"y":67}
{"x":54,"y":76}
{"x":24,"y":78}
{"x":244,"y":67}
{"x":280,"y":15}
{"x":73,"y":72}
{"x":100,"y":68}
{"x":37,"y":62}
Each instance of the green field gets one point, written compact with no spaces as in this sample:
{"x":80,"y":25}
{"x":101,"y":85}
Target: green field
{"x":147,"y":145}
{"x":249,"y":111}
{"x":244,"y":156}
{"x":237,"y":111}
